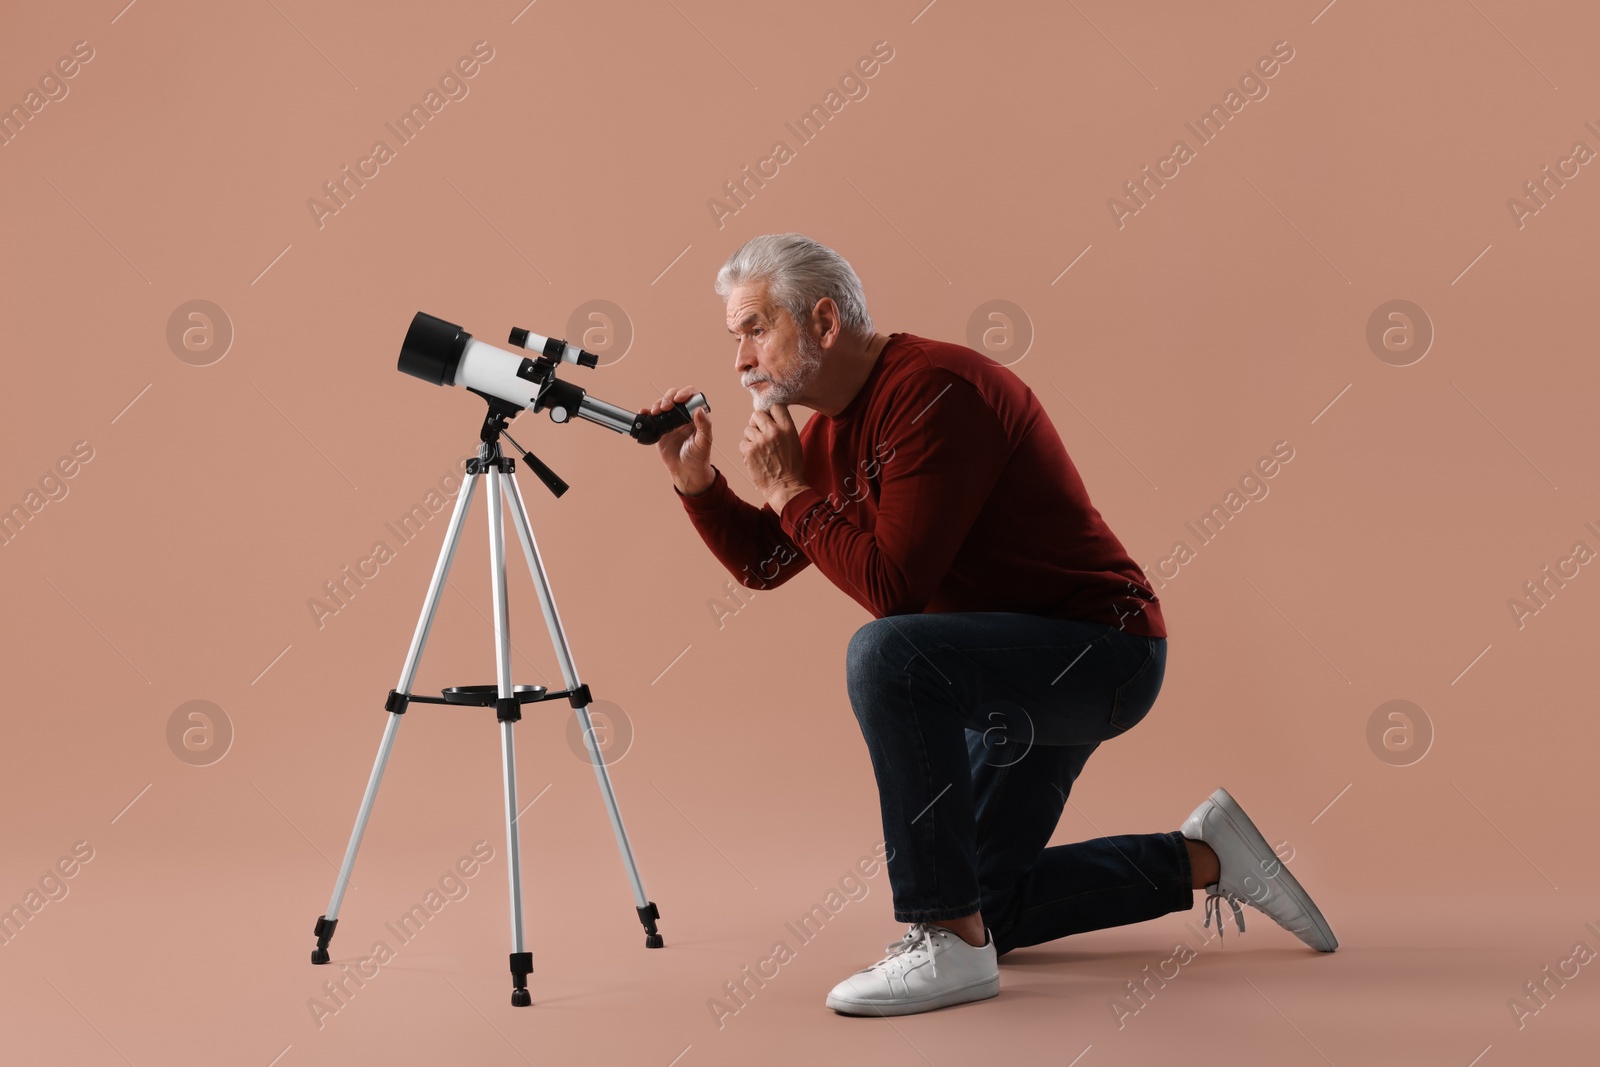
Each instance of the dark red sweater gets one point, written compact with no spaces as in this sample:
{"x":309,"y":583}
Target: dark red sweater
{"x":942,"y":486}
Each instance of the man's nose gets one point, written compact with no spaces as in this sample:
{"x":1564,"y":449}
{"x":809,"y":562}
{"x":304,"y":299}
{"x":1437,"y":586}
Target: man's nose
{"x":744,"y":356}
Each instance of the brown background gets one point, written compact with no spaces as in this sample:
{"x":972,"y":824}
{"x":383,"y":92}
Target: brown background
{"x":1224,"y":317}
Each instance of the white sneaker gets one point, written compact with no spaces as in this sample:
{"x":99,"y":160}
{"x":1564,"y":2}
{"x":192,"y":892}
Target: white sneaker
{"x":1251,"y":871}
{"x":930,"y":967}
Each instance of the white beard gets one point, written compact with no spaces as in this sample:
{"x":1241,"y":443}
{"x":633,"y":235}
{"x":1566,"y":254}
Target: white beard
{"x":787,"y":389}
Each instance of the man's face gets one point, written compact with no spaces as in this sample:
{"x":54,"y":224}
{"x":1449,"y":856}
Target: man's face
{"x":776,"y":361}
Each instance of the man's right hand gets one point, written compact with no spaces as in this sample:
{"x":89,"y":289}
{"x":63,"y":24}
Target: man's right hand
{"x":686,"y":450}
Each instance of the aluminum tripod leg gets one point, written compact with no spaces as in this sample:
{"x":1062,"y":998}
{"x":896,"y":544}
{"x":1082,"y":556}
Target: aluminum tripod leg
{"x":648,"y":913}
{"x":430,"y":605}
{"x":508,"y":713}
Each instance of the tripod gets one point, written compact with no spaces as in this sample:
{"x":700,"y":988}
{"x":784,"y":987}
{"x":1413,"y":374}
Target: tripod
{"x":505,"y":698}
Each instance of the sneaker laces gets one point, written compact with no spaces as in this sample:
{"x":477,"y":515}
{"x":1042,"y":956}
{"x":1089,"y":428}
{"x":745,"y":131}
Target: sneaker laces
{"x":1215,"y":895}
{"x":919,"y":936}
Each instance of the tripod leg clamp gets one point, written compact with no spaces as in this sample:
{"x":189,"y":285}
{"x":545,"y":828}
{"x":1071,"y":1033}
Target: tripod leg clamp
{"x":396,"y":703}
{"x":579,"y":697}
{"x":508,"y":709}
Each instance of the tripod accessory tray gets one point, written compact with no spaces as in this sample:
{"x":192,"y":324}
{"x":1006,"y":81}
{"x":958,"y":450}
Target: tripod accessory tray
{"x":478,"y":696}
{"x":486,"y":696}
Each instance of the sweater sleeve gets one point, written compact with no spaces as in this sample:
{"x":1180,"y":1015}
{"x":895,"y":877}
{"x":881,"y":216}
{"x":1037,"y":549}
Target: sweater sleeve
{"x":749,"y":541}
{"x":944,"y":449}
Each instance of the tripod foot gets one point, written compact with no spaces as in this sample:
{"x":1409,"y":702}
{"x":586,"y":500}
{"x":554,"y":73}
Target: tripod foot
{"x":648,"y":915}
{"x":521,"y":967}
{"x":324,"y":932}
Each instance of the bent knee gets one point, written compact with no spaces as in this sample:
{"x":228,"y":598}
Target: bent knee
{"x":869,"y":645}
{"x":870,"y":659}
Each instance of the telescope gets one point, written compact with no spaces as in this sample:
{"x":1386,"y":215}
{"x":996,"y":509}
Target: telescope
{"x":443,"y":353}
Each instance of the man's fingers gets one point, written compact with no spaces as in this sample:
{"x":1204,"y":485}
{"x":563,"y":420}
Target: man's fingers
{"x":671,"y":398}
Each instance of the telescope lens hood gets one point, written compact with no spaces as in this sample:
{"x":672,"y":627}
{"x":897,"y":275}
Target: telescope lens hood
{"x":432,"y":349}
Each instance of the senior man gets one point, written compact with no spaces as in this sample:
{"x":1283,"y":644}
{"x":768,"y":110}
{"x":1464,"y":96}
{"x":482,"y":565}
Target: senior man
{"x":1012,"y":633}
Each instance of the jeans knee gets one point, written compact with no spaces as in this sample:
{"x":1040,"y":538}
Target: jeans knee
{"x":867,"y":645}
{"x":867,"y":664}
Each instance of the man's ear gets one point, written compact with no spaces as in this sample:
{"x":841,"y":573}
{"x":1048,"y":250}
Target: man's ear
{"x":826,"y":313}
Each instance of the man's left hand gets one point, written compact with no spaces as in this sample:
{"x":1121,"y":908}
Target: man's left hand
{"x":772,"y":455}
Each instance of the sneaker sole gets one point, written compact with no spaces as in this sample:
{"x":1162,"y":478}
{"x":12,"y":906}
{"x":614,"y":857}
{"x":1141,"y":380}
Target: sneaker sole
{"x":1224,"y":804}
{"x":989,"y":987}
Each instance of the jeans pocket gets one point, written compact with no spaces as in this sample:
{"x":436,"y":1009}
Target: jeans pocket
{"x":1137,"y":695}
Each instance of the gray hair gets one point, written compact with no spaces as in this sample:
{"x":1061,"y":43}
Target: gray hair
{"x":799,"y":272}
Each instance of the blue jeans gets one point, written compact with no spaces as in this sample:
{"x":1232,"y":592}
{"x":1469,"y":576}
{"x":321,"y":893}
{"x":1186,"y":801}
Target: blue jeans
{"x":977,"y":724}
